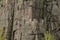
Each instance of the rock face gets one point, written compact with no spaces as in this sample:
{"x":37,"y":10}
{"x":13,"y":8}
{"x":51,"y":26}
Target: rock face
{"x":26,"y":15}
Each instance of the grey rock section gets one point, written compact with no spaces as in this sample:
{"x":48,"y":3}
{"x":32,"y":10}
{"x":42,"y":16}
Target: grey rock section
{"x":22,"y":20}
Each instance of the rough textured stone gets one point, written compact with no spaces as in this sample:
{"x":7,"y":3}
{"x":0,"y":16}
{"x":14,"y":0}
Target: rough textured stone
{"x":23,"y":24}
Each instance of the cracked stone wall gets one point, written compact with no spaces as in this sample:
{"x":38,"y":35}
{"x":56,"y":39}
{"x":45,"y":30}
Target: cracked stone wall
{"x":23,"y":24}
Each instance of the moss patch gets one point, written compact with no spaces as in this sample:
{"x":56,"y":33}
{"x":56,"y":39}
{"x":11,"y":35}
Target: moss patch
{"x":49,"y":36}
{"x":1,"y":34}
